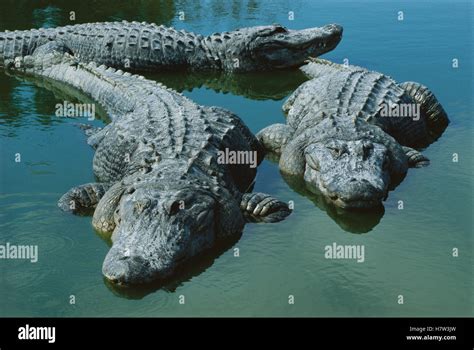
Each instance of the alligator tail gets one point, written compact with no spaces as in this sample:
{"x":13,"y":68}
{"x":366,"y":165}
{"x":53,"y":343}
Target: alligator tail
{"x":436,"y":118}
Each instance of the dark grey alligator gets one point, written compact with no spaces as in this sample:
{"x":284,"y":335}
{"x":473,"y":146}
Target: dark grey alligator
{"x":163,"y":192}
{"x":142,"y":46}
{"x":345,"y":134}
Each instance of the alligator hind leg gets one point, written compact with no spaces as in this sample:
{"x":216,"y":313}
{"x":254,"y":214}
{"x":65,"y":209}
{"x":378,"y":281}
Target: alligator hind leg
{"x":94,"y":134}
{"x":82,"y":199}
{"x":430,"y":108}
{"x":415,"y":159}
{"x":261,"y":207}
{"x":51,"y":46}
{"x":88,"y":129}
{"x":274,"y":137}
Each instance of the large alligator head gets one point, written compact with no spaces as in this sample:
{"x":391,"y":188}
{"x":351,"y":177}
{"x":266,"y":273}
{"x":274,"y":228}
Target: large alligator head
{"x":270,"y":47}
{"x":350,"y":162}
{"x":161,"y":222}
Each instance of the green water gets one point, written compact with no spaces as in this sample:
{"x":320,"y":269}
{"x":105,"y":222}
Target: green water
{"x":407,"y":252}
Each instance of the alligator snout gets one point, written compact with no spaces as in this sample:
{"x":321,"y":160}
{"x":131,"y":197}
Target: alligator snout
{"x":125,"y":268}
{"x":334,"y":29}
{"x":356,"y":194}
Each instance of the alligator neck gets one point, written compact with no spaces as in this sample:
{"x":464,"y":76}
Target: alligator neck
{"x":221,"y":51}
{"x":206,"y":56}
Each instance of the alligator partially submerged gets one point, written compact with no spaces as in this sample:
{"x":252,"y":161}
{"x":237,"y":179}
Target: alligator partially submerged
{"x":149,"y":47}
{"x":163,"y":194}
{"x":340,"y":139}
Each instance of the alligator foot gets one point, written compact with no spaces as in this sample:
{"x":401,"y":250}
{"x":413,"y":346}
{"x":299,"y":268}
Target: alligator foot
{"x":88,"y":129}
{"x":415,"y":159}
{"x":82,"y":199}
{"x":261,"y":207}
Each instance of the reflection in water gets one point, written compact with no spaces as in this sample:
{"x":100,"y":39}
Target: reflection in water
{"x":255,"y":86}
{"x":48,"y":17}
{"x":25,"y":14}
{"x":193,"y":268}
{"x":51,"y":92}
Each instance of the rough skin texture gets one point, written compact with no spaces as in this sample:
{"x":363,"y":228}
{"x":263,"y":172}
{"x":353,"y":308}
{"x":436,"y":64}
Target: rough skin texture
{"x":338,"y":142}
{"x":162,"y":194}
{"x":142,"y":46}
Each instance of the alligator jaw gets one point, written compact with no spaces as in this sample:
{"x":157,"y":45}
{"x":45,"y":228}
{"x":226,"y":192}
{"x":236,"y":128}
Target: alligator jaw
{"x":321,"y":39}
{"x":355,"y":204}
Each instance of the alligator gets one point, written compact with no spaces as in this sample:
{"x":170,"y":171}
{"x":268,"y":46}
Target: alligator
{"x":341,"y":139}
{"x":148,"y":47}
{"x":164,"y":195}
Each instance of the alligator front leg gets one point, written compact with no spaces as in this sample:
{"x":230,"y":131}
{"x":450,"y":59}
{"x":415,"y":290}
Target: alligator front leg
{"x":82,"y":199}
{"x":415,"y":159}
{"x":274,"y":137}
{"x":105,"y":216}
{"x":261,"y":207}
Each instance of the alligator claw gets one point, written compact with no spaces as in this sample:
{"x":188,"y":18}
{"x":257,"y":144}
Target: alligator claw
{"x":261,"y":207}
{"x":415,"y":159}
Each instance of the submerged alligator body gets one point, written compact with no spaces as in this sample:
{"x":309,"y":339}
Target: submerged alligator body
{"x":162,"y":194}
{"x":341,"y":139}
{"x":148,"y":47}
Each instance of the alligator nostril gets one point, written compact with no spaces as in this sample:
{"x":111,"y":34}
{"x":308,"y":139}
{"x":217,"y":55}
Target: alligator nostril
{"x":353,"y":179}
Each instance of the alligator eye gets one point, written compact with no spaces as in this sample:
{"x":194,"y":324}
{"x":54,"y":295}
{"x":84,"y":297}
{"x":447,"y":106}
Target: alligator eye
{"x":280,"y":29}
{"x":130,"y":190}
{"x":335,"y":151}
{"x":174,"y":208}
{"x":367,"y":146}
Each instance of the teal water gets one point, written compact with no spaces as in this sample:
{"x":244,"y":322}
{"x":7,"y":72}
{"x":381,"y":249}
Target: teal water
{"x":407,"y":252}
